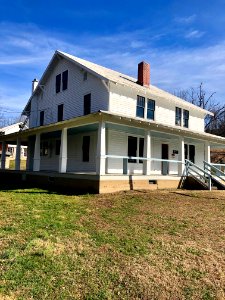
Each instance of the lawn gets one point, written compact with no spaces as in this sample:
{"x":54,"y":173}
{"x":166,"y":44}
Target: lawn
{"x":128,"y":245}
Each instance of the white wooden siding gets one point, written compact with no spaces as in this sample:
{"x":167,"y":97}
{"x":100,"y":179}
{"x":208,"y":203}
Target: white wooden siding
{"x":74,"y":161}
{"x":117,"y":145}
{"x":72,"y":98}
{"x":74,"y":155}
{"x":50,"y":162}
{"x":123,"y":101}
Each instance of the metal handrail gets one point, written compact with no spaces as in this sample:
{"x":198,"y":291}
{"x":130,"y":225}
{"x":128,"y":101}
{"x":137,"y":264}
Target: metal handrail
{"x":206,"y":176}
{"x":209,"y":168}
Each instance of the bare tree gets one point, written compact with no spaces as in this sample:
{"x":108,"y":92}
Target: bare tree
{"x":198,"y":96}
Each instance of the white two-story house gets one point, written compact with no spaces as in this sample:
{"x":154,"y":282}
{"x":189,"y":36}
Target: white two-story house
{"x":108,"y":131}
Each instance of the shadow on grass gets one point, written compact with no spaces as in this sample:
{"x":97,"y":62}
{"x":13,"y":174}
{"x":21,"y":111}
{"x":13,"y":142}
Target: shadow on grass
{"x":42,"y":189}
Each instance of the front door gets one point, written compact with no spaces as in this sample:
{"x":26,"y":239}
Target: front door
{"x":165,"y":155}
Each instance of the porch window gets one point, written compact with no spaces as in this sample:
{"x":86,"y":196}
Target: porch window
{"x":42,"y":116}
{"x":151,"y":109}
{"x":186,"y":118}
{"x":140,"y":112}
{"x":64,"y":80}
{"x":178,"y":116}
{"x":87,"y":104}
{"x":60,"y":112}
{"x":58,"y":83}
{"x":44,"y":148}
{"x":86,"y":148}
{"x":57,"y":147}
{"x":189,"y":152}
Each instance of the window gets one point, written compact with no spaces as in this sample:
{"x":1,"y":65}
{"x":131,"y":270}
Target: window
{"x":135,"y":148}
{"x":25,"y":152}
{"x":61,"y":77}
{"x":58,"y":83}
{"x":189,"y":152}
{"x":65,"y":80}
{"x":151,"y":109}
{"x":186,"y":118}
{"x":178,"y":116}
{"x":87,"y":104}
{"x":60,"y":112}
{"x":57,"y":147}
{"x":86,"y":148}
{"x":42,"y":115}
{"x":140,"y":107}
{"x":44,"y":148}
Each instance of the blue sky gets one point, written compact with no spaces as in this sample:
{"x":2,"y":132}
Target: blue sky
{"x":184,"y":41}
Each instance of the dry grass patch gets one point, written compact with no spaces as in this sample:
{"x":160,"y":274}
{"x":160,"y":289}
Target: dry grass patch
{"x":128,"y":245}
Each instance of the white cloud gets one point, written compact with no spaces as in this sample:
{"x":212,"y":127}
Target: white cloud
{"x":194,"y":34}
{"x":25,"y":51}
{"x":185,"y":20}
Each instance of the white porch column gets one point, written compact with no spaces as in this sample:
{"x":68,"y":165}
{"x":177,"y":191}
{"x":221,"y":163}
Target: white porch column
{"x":147,"y":154}
{"x":63,"y":152}
{"x":100,"y":153}
{"x":207,"y":152}
{"x":18,"y":152}
{"x":36,"y":163}
{"x":181,"y":156}
{"x":3,"y":155}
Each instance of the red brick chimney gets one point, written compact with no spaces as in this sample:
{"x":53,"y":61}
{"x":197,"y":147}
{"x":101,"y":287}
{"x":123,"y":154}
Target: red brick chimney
{"x":143,"y":74}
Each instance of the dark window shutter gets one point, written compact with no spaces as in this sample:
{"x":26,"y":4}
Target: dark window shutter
{"x":42,"y":115}
{"x":86,"y":148}
{"x":132,"y":148}
{"x":60,"y":112}
{"x":57,"y":147}
{"x":87,"y":104}
{"x":58,"y":83}
{"x":65,"y":80}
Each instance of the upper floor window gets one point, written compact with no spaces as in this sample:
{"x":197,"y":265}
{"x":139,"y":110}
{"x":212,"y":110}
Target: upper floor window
{"x":65,"y":80}
{"x":151,"y":109}
{"x":60,"y":112}
{"x":58,"y":83}
{"x":186,"y":118}
{"x":86,"y":148}
{"x":140,"y":112}
{"x":87,"y":104}
{"x":42,"y":116}
{"x":178,"y":116}
{"x":61,"y":80}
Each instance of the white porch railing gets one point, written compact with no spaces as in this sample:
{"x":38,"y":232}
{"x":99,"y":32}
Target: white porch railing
{"x":137,"y":159}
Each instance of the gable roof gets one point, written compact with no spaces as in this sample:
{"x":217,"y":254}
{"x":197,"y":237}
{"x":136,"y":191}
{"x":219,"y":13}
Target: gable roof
{"x":118,"y":78}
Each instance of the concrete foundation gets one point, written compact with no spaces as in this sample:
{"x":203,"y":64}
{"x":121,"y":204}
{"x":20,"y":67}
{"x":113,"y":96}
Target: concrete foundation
{"x":84,"y":183}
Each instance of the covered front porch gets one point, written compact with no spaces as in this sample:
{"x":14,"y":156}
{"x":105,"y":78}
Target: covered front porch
{"x":112,"y":149}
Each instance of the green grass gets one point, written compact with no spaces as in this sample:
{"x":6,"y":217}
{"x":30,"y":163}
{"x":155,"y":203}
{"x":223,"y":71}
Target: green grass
{"x":128,"y":245}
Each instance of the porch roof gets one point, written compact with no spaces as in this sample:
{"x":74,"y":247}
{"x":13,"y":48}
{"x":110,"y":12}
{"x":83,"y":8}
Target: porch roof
{"x":116,"y":119}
